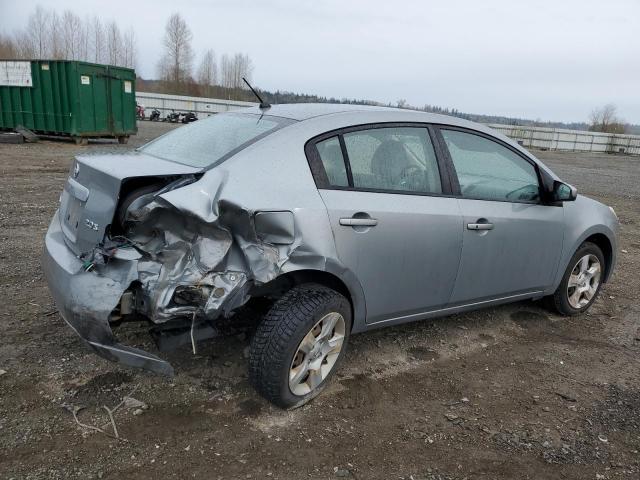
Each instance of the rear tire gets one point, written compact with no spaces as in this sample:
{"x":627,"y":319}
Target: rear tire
{"x":123,"y":139}
{"x":581,"y":282}
{"x":299,"y":345}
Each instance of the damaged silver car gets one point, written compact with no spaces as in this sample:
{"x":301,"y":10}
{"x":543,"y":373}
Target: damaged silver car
{"x":344,"y":218}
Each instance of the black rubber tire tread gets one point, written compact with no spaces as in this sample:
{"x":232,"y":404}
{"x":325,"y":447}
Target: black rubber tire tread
{"x":559,"y":301}
{"x":279,"y":334}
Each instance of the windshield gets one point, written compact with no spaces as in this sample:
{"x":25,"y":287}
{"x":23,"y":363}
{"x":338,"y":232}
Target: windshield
{"x":210,"y":141}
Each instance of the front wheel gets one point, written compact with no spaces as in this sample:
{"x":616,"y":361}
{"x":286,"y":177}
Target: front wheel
{"x":299,"y":344}
{"x":581,"y":282}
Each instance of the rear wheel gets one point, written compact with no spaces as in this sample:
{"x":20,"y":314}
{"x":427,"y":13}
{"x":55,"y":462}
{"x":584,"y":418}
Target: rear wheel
{"x":581,"y":282}
{"x":299,"y":344}
{"x":123,"y":139}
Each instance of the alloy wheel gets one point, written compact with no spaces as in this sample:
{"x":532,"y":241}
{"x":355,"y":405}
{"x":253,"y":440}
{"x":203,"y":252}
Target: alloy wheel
{"x":584,"y":281}
{"x":317,"y":354}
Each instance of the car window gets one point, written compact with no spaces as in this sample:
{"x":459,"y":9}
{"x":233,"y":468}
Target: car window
{"x":333,"y":162}
{"x":489,"y":171}
{"x":395,"y":158}
{"x":206,"y":142}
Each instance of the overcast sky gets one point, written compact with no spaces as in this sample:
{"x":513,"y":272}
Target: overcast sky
{"x":547,"y":59}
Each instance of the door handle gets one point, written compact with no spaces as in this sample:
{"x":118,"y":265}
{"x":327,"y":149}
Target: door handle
{"x":358,"y":222}
{"x":479,"y":226}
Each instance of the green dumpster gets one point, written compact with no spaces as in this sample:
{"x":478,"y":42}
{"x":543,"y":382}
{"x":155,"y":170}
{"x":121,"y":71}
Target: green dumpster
{"x":69,"y":98}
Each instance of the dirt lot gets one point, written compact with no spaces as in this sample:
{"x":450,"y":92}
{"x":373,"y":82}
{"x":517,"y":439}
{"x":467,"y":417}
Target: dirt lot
{"x":509,"y":392}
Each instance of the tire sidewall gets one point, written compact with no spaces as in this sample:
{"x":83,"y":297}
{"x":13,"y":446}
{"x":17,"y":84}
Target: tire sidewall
{"x":562,"y":295}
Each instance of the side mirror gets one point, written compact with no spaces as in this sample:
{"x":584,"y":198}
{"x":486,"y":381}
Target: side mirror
{"x":563,"y":192}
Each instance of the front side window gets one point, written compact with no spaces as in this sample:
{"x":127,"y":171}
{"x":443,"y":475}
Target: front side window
{"x":489,"y":171}
{"x":207,"y":142}
{"x":394,"y":158}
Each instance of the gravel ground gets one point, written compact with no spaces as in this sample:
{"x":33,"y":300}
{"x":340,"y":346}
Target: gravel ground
{"x":508,"y":392}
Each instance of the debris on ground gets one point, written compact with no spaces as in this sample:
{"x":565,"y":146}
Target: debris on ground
{"x":131,"y":403}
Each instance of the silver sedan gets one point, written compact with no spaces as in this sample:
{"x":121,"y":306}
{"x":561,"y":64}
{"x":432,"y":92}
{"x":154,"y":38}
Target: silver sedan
{"x":331,"y":219}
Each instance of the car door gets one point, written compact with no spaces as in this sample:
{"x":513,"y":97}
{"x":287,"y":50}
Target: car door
{"x":394,"y":221}
{"x":511,"y":240}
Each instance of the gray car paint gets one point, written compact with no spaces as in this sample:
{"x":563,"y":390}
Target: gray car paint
{"x":389,"y":259}
{"x":519,"y":255}
{"x":259,"y":215}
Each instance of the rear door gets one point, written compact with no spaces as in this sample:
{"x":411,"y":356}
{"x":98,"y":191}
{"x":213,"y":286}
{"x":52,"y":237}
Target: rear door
{"x":511,"y":241}
{"x":394,"y":222}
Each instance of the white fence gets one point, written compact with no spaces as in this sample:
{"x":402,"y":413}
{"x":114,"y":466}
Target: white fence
{"x":570,"y":140}
{"x":201,"y":106}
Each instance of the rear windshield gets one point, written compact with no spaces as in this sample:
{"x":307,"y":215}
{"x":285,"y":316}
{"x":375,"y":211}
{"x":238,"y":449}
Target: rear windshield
{"x":208,"y":142}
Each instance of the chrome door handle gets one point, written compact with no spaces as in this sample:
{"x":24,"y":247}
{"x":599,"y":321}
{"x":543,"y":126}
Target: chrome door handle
{"x":358,"y":222}
{"x":479,"y":226}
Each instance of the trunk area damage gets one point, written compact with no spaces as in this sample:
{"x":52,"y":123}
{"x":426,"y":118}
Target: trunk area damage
{"x":172,"y":251}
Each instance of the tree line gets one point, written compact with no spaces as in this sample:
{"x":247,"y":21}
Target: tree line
{"x":176,"y":66}
{"x":67,"y":36}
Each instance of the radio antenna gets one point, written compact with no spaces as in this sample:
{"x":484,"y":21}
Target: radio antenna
{"x":263,"y":104}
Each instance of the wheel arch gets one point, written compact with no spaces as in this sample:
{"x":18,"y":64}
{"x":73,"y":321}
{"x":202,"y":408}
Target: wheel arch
{"x":603,"y":242}
{"x":601,"y":236}
{"x":348,"y":287}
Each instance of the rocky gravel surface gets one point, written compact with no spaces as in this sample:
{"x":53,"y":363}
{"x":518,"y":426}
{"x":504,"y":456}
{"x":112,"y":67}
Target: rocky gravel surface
{"x":507,"y":392}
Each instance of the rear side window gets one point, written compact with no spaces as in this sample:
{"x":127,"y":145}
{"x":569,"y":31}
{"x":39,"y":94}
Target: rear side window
{"x":489,"y":171}
{"x":333,"y":162}
{"x":207,"y":142}
{"x":395,"y":158}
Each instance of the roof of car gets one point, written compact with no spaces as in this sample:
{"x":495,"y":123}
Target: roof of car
{"x":305,"y":111}
{"x":362,"y":114}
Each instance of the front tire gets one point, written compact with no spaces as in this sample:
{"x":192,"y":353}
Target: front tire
{"x":299,"y":345}
{"x":581,"y":282}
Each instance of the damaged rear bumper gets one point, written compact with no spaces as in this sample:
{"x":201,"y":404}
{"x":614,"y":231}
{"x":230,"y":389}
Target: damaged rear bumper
{"x":86,"y":299}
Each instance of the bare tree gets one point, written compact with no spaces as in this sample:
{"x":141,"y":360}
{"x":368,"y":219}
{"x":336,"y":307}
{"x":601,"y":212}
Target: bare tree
{"x":96,"y":40}
{"x":68,"y":37}
{"x":177,"y":62}
{"x":8,"y":48}
{"x":242,"y":67}
{"x":23,"y":45}
{"x":82,"y":39}
{"x":226,"y":72}
{"x":56,"y":40}
{"x":114,"y":44}
{"x":208,"y":72}
{"x":233,"y":69}
{"x":605,"y":119}
{"x":129,"y":48}
{"x":38,"y":29}
{"x":73,"y":34}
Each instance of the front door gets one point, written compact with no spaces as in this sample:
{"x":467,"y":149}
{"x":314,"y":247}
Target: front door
{"x":511,"y":241}
{"x":392,"y":225}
